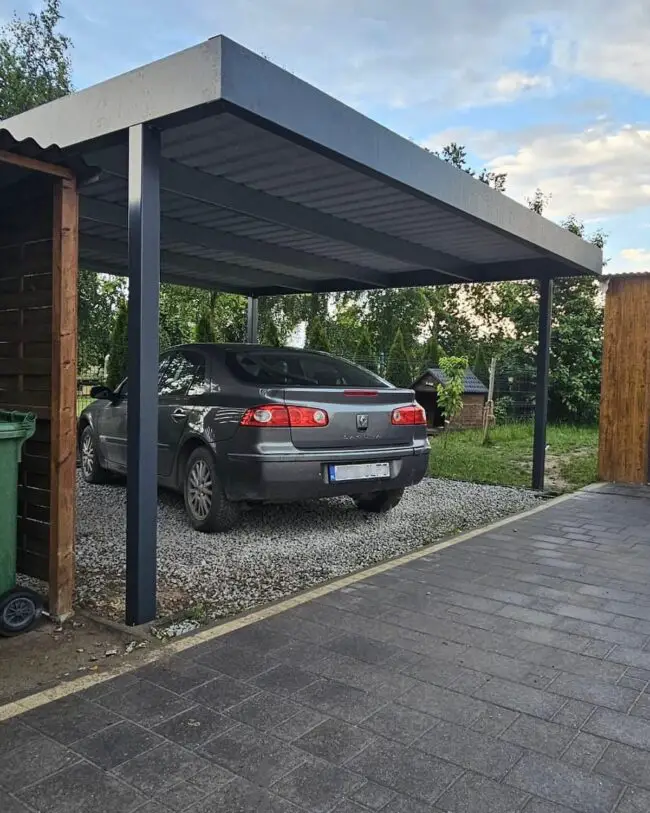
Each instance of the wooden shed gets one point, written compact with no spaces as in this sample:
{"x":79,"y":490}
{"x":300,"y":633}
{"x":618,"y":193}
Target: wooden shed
{"x":38,"y":351}
{"x":474,"y":398}
{"x":624,"y":454}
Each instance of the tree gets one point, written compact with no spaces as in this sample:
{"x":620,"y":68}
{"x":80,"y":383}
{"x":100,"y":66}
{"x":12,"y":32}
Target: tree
{"x":278,"y":318}
{"x":346,"y":328}
{"x":118,"y":360}
{"x":398,"y":366}
{"x":317,"y":337}
{"x":407,"y":310}
{"x":430,"y":355}
{"x":228,"y":317}
{"x":365,"y":354}
{"x":98,"y":299}
{"x":450,"y":394}
{"x":204,"y":332}
{"x":34,"y":61}
{"x":456,"y":155}
{"x":576,"y":338}
{"x":268,"y":334}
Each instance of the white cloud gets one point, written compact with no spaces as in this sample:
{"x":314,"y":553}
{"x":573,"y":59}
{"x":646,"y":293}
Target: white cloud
{"x":597,"y":173}
{"x":630,"y":261}
{"x":510,"y":85}
{"x":457,"y":54}
{"x":613,"y":45}
{"x":376,"y":51}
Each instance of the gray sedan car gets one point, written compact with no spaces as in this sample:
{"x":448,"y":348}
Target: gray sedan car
{"x":244,"y":424}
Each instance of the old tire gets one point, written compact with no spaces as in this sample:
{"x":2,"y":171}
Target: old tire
{"x":380,"y":502}
{"x":206,"y":504}
{"x":19,"y":611}
{"x":91,"y":467}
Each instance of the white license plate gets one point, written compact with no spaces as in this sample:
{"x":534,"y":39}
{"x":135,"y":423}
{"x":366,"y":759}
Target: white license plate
{"x":359,"y":471}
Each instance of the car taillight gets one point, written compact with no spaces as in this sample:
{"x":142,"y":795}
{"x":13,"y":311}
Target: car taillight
{"x":360,"y":393}
{"x":306,"y":417}
{"x":268,"y":415}
{"x":412,"y":415}
{"x":286,"y":416}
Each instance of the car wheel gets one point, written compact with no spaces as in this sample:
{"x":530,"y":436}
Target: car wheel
{"x":91,"y":469}
{"x":206,"y":504}
{"x":379,"y":503}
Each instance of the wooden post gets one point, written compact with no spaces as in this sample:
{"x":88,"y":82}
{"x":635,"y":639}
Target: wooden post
{"x":488,"y":409}
{"x":64,"y":397}
{"x":624,"y":438}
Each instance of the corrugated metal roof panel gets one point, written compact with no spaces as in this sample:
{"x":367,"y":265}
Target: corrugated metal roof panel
{"x":30,"y":148}
{"x":230,"y":147}
{"x":642,"y":272}
{"x":114,"y":190}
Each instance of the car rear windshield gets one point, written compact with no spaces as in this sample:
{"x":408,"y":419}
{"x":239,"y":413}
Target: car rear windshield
{"x":277,"y":368}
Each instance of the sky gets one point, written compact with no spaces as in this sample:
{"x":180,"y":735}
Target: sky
{"x":556,"y":93}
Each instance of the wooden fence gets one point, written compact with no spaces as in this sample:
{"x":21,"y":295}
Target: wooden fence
{"x":38,"y":338}
{"x":624,"y":454}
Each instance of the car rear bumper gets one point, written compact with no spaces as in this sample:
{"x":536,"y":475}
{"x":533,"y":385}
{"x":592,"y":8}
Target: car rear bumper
{"x":295,"y":477}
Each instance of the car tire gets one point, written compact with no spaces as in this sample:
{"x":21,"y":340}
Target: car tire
{"x":20,"y":609}
{"x":380,"y":502}
{"x":91,"y":469}
{"x":207,"y":507}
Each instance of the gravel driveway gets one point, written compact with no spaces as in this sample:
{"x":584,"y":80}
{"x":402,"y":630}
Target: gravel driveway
{"x":276,"y":550}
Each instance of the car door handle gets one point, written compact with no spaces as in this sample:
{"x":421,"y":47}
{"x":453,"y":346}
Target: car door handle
{"x":179,"y":415}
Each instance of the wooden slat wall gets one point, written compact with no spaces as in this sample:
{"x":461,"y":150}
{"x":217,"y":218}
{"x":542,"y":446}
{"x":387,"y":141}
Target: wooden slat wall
{"x":26,"y":358}
{"x":624,"y":454}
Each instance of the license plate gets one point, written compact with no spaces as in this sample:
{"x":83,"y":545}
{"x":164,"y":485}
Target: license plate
{"x":358,"y":471}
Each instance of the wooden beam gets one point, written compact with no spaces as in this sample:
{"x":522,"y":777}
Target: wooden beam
{"x":65,"y":251}
{"x":35,"y":165}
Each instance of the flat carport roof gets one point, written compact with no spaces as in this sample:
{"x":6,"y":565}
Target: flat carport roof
{"x":218,"y":169}
{"x":269,"y":186}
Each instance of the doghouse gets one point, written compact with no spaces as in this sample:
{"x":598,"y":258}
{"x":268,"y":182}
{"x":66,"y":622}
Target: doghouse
{"x":474,"y":398}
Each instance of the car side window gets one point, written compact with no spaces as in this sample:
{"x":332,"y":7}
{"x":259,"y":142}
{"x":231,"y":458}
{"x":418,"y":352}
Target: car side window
{"x":200,"y":385}
{"x":162,"y":369}
{"x":182,"y":371}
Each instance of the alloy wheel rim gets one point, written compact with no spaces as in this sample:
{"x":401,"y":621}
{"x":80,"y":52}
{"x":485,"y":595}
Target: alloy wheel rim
{"x":87,"y":456}
{"x":199,"y":489}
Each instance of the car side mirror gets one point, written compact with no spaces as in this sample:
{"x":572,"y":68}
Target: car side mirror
{"x":102,"y":392}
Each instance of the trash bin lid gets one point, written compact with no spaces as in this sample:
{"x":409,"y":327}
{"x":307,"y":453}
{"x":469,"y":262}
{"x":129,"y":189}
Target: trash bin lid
{"x":14,"y":425}
{"x":9,"y":431}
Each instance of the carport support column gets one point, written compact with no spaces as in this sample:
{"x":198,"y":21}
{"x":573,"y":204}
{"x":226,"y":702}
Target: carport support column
{"x":142,"y":425}
{"x":252,"y":320}
{"x":541,"y":396}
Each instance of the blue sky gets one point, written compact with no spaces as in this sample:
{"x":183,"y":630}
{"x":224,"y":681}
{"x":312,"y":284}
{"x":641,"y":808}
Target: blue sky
{"x":554,"y":92}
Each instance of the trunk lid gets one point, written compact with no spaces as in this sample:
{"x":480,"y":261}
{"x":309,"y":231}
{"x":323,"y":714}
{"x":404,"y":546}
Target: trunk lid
{"x":358,"y":418}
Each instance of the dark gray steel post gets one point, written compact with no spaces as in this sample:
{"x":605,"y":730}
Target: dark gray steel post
{"x":252,"y":320}
{"x":541,"y":394}
{"x":142,"y":431}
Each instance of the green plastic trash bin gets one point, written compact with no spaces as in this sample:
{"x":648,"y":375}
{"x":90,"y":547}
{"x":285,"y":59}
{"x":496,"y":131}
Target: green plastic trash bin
{"x":18,"y":608}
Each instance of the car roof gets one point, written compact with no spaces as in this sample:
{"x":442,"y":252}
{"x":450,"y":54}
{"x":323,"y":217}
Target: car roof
{"x":208,"y":347}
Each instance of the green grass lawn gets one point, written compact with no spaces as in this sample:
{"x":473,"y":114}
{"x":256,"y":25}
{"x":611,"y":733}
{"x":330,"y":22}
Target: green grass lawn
{"x":507,"y":458}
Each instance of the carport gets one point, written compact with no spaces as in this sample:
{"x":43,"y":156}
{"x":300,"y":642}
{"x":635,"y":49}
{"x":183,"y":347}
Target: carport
{"x":224,"y":171}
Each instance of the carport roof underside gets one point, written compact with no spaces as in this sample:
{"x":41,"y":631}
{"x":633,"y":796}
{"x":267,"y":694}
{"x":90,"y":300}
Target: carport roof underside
{"x":269,"y":186}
